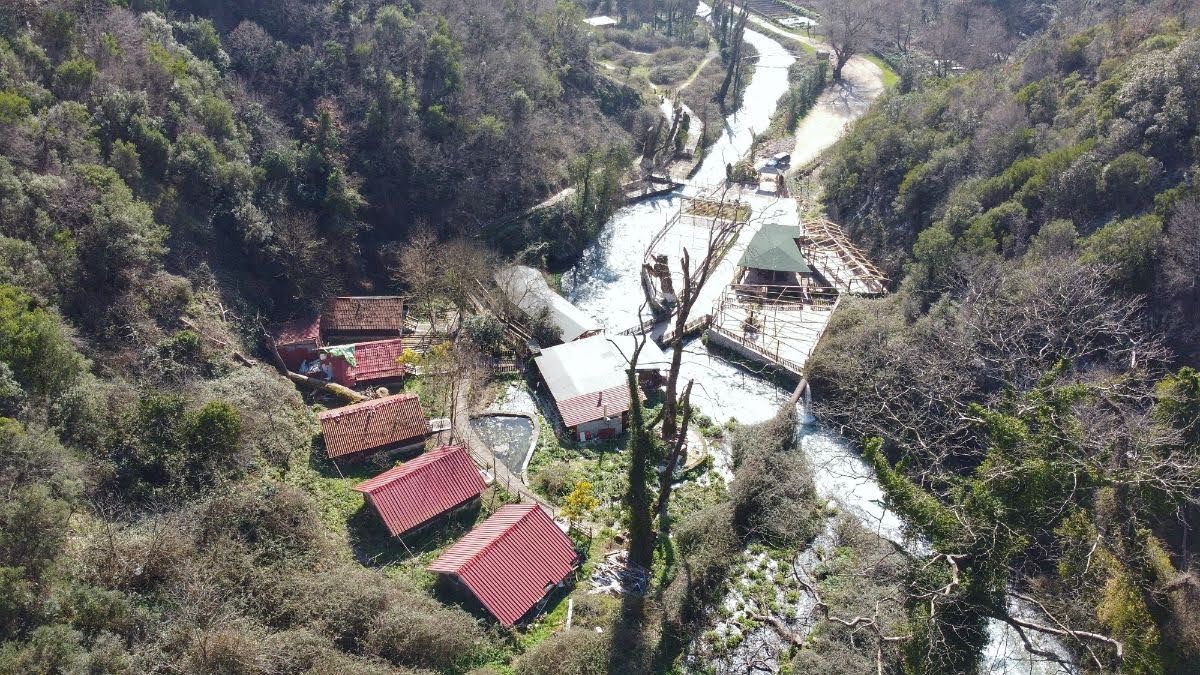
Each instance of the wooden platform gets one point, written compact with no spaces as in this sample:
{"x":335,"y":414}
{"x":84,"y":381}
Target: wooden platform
{"x":827,"y":247}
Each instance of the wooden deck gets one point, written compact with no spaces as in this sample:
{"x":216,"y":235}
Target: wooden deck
{"x":699,"y":224}
{"x":781,"y":333}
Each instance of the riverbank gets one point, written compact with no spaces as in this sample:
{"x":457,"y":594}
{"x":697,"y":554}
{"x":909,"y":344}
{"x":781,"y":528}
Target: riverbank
{"x":606,"y":284}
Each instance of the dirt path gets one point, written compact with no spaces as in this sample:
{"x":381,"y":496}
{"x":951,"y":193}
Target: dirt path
{"x":465,"y":434}
{"x":696,"y":73}
{"x":841,"y":103}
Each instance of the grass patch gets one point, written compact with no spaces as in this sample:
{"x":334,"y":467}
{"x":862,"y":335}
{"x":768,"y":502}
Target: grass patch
{"x":352,"y":521}
{"x":890,"y":78}
{"x":557,"y":465}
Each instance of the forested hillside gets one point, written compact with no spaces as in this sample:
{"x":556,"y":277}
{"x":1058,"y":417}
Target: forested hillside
{"x":173,"y":176}
{"x":177,"y":176}
{"x":290,"y":141}
{"x":1029,"y":396}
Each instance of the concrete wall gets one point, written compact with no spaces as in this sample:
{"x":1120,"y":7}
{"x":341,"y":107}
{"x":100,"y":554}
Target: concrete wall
{"x":719,"y":339}
{"x":599,"y":429}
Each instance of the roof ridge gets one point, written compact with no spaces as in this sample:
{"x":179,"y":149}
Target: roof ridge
{"x":369,"y":404}
{"x":423,"y":462}
{"x":508,"y":530}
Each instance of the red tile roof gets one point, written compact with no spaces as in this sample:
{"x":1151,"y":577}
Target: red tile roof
{"x":418,"y":491}
{"x":378,"y":313}
{"x":378,"y":360}
{"x":299,"y":331}
{"x":373,"y":424}
{"x":589,"y":407}
{"x":508,"y":560}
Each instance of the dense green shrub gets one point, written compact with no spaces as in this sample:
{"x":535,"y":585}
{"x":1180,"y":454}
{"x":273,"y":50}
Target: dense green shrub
{"x":575,"y":652}
{"x":72,"y":78}
{"x":416,"y":630}
{"x":772,"y":493}
{"x":554,"y":481}
{"x":34,"y":344}
{"x":486,"y":332}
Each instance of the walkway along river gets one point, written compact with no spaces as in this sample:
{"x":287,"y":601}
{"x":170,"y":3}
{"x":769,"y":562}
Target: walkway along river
{"x":606,"y":284}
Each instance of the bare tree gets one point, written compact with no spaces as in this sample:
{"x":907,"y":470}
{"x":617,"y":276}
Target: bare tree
{"x":722,"y":225}
{"x":851,"y":26}
{"x":1006,"y":329}
{"x":418,"y":265}
{"x":733,"y":66}
{"x":966,"y":32}
{"x":1177,"y":289}
{"x":900,"y":23}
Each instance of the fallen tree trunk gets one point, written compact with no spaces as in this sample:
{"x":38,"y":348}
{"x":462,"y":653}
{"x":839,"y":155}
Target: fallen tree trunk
{"x":331,"y":387}
{"x":312,"y":382}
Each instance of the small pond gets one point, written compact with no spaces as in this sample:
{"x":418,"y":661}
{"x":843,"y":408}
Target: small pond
{"x":510,"y":438}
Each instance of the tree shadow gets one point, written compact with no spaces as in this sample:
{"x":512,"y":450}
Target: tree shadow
{"x":361,"y":467}
{"x":638,"y":646}
{"x":374,"y":546}
{"x":627,"y":652}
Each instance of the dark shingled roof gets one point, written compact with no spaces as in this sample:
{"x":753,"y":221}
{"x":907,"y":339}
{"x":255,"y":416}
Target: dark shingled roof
{"x":774,"y":248}
{"x":373,"y":424}
{"x":379,"y":313}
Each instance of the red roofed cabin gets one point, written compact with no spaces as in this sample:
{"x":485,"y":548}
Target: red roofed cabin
{"x":298,"y":341}
{"x":510,"y":562}
{"x":388,"y":424}
{"x":361,"y":318}
{"x":416,"y":493}
{"x":365,"y":363}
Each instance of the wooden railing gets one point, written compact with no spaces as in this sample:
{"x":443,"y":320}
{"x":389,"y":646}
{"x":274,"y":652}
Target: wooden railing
{"x":787,"y":365}
{"x":783,"y":294}
{"x":641,"y":329}
{"x":695,"y":325}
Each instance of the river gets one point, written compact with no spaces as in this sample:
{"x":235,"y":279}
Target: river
{"x":606,"y":283}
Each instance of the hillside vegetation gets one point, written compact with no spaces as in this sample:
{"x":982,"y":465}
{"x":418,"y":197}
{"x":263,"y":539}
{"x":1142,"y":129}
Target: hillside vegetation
{"x":1028,"y":397}
{"x":173,"y":176}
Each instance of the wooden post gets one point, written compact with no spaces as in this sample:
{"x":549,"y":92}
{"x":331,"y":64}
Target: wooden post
{"x":570,"y":611}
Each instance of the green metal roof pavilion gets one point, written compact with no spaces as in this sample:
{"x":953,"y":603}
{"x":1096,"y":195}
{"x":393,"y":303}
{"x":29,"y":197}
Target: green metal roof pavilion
{"x":774,"y":248}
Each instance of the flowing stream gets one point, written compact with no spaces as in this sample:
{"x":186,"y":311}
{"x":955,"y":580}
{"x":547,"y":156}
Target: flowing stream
{"x":606,"y":283}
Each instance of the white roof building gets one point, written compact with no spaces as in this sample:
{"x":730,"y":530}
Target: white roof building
{"x":527,"y":289}
{"x":587,"y":377}
{"x":600,"y":21}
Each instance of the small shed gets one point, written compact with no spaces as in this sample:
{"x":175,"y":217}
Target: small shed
{"x":587,"y":381}
{"x":652,"y":362}
{"x":298,"y":341}
{"x":390,"y":424}
{"x":362,"y":318}
{"x":414,"y":494}
{"x":528,"y":291}
{"x":773,"y":259}
{"x":601,"y":21}
{"x":364,"y":363}
{"x":510,"y":562}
